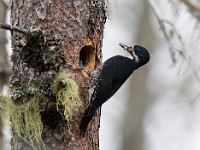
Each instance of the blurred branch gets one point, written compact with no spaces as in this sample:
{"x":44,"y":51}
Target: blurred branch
{"x":168,"y":36}
{"x":161,"y":23}
{"x":5,"y":5}
{"x":193,"y":6}
{"x":14,"y":28}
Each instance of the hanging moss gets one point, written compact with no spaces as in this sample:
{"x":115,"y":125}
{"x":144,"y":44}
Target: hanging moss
{"x":25,"y":119}
{"x":67,"y":94}
{"x":3,"y":105}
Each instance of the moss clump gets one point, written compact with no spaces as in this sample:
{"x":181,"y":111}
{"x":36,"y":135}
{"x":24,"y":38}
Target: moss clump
{"x":3,"y":105}
{"x":67,"y":94}
{"x":25,"y":118}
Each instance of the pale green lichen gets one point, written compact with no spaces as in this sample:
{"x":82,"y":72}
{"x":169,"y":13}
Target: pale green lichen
{"x":3,"y":105}
{"x":25,"y":119}
{"x":67,"y":94}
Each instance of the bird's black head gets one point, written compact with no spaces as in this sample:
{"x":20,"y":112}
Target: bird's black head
{"x":140,"y":54}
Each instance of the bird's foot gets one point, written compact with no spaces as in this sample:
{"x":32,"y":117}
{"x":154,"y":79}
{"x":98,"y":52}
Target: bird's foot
{"x":82,"y":68}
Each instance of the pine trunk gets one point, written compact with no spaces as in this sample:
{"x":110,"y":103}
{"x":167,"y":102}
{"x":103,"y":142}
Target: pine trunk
{"x":71,"y":32}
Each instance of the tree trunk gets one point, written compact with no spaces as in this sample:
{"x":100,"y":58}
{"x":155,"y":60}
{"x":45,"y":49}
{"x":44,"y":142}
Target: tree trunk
{"x":72,"y":31}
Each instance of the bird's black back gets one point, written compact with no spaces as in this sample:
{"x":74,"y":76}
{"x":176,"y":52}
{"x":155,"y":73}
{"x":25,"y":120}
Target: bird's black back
{"x":115,"y":72}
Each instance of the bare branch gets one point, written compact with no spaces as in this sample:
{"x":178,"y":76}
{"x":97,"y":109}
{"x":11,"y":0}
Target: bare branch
{"x":163,"y":29}
{"x":5,"y":4}
{"x":194,"y":6}
{"x":14,"y":28}
{"x":167,"y":35}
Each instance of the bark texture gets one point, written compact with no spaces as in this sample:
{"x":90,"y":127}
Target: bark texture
{"x":72,"y":32}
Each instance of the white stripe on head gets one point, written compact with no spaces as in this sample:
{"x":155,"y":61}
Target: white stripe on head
{"x":135,"y":56}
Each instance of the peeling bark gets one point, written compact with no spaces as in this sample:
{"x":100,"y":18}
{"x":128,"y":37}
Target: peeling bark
{"x":73,"y":32}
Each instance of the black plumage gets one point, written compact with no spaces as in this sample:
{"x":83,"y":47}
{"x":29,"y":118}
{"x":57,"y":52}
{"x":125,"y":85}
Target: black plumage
{"x":109,"y":77}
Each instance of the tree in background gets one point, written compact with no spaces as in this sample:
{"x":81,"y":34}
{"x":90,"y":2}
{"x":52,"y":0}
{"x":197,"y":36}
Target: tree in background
{"x":178,"y":21}
{"x":139,"y":99}
{"x":5,"y":71}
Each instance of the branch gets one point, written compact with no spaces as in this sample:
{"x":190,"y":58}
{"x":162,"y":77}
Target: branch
{"x":167,"y":36}
{"x":5,"y":4}
{"x":14,"y":28}
{"x":31,"y":34}
{"x":194,"y":6}
{"x":163,"y":29}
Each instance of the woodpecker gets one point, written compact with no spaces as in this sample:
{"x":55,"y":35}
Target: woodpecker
{"x":109,"y":77}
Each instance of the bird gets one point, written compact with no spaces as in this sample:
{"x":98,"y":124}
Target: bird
{"x":109,"y":77}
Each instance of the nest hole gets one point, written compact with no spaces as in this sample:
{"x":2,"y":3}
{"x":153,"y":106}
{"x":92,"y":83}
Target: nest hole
{"x":87,"y":57}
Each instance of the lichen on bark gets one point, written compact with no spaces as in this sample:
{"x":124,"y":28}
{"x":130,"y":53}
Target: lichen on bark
{"x":66,"y":27}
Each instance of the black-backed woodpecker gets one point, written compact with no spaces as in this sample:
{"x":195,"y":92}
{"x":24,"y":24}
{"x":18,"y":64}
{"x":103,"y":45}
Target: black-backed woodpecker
{"x":109,"y":77}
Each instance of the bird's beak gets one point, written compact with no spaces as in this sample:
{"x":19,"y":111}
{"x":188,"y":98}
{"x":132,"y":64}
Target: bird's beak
{"x":127,"y":48}
{"x":130,"y":50}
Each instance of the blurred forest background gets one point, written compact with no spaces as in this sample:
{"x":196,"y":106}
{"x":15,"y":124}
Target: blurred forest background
{"x":158,"y":107}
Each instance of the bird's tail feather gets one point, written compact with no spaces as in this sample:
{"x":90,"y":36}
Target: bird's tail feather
{"x":86,"y":119}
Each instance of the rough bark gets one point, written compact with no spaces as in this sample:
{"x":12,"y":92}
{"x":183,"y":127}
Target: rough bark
{"x":74,"y":30}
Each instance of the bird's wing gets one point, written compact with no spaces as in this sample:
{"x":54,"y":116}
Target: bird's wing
{"x":97,"y":98}
{"x":94,"y":76}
